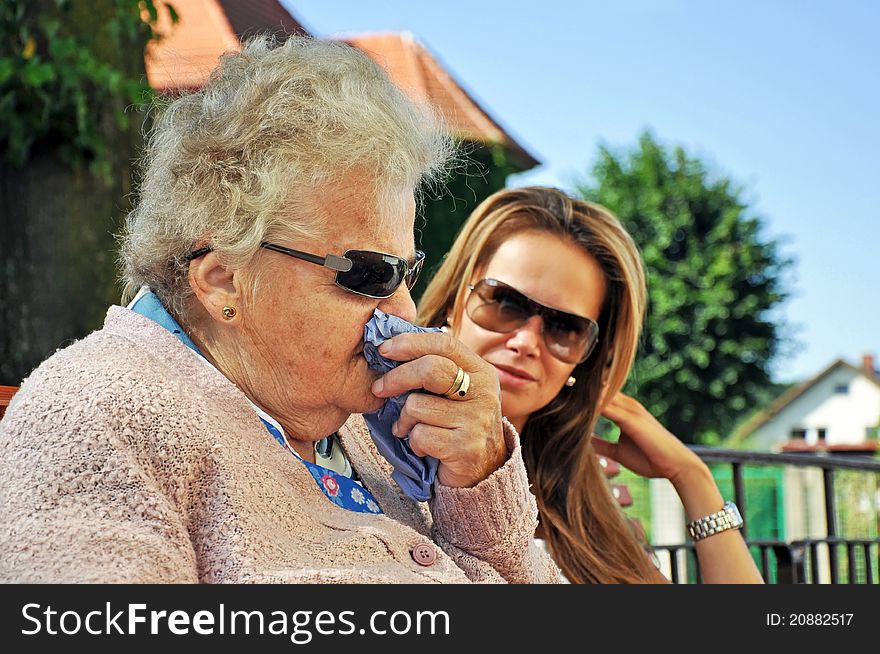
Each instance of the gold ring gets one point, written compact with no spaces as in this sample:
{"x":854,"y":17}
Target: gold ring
{"x":452,"y":390}
{"x":460,"y":386}
{"x":465,"y":385}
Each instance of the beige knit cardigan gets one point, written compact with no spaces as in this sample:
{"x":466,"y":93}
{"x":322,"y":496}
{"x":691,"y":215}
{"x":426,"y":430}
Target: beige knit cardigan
{"x":124,"y":458}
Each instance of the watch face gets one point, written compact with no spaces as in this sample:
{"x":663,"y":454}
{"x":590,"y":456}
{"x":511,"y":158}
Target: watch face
{"x":734,"y":513}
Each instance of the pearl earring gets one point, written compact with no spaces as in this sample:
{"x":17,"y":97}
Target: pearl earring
{"x":570,"y":381}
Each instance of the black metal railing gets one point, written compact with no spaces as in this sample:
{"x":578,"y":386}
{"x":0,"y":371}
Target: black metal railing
{"x":799,"y":561}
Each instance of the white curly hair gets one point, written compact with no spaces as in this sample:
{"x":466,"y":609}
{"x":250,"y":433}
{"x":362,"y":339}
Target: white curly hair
{"x":233,"y":164}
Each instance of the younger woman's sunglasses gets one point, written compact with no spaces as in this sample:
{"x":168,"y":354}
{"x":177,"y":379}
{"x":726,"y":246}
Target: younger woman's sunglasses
{"x":362,"y":272}
{"x":498,"y":307}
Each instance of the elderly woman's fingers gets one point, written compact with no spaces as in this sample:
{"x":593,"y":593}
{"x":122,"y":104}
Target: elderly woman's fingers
{"x":440,"y":443}
{"x":466,"y":437}
{"x":428,"y":409}
{"x":463,"y":433}
{"x":464,"y":462}
{"x":423,"y":439}
{"x":406,"y":347}
{"x":432,"y":363}
{"x":432,"y":373}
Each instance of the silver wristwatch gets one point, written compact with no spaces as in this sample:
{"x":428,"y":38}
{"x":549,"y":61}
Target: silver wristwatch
{"x":715,"y":523}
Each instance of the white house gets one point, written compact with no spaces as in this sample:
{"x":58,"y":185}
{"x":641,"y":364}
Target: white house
{"x":837,"y":410}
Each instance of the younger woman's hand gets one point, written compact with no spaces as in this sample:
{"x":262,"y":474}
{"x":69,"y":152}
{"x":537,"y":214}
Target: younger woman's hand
{"x":645,"y":446}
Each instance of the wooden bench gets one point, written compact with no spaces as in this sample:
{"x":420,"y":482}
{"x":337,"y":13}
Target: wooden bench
{"x":611,"y":468}
{"x":6,"y":393}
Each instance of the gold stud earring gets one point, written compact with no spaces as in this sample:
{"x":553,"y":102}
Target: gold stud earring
{"x":229,"y":313}
{"x":570,"y":381}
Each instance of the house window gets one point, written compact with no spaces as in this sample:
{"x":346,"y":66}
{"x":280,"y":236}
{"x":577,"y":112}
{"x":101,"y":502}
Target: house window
{"x":798,"y":434}
{"x":841,"y":389}
{"x":821,"y":433}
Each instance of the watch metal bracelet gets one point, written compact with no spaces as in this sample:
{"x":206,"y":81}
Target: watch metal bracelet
{"x":714,"y":523}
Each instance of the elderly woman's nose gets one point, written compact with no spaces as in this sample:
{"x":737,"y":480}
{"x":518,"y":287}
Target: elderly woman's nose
{"x":400,"y":304}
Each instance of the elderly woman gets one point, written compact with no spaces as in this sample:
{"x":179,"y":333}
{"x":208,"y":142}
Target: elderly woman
{"x":210,"y":432}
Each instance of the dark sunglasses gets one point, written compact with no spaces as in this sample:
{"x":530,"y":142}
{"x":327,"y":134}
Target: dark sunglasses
{"x":495,"y":306}
{"x":362,"y":272}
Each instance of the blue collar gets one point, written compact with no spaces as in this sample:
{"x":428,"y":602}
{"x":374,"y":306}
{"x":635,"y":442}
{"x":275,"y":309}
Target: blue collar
{"x":339,"y":489}
{"x":147,"y":304}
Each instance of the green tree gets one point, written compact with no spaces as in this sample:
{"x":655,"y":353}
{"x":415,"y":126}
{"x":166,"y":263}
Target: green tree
{"x":69,"y":73}
{"x":480,"y":171}
{"x":713,"y":284}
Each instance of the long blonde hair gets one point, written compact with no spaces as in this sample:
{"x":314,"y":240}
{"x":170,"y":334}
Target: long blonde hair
{"x":587,"y":533}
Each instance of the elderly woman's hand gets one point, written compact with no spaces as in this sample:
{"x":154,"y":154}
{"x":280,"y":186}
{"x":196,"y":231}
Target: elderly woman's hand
{"x":464,"y":434}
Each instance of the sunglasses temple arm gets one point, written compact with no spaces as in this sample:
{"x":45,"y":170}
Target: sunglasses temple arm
{"x":340,"y":264}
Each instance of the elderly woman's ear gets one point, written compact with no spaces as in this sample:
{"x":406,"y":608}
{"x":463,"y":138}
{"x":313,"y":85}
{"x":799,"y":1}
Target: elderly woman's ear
{"x":217,"y":288}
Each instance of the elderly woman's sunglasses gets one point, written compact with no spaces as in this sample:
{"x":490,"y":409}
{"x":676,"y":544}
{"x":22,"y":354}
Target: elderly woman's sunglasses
{"x":362,"y":272}
{"x":495,"y":306}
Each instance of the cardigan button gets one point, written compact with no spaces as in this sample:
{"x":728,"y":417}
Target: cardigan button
{"x":424,"y":554}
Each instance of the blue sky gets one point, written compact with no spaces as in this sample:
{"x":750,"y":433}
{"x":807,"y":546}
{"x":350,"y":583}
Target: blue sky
{"x":781,"y":96}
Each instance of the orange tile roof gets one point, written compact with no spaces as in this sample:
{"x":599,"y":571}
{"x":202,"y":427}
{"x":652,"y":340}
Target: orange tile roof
{"x":250,"y":16}
{"x":798,"y":446}
{"x":418,"y":73}
{"x":188,"y":52}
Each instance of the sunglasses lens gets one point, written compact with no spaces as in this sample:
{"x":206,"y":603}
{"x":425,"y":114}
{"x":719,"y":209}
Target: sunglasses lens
{"x":569,"y":338}
{"x":412,"y":275}
{"x":500,"y":308}
{"x":497,"y":307}
{"x":372,"y":273}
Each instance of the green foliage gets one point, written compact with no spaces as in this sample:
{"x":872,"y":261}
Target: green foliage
{"x":858,"y":517}
{"x":640,"y":490}
{"x":68,"y":73}
{"x":713,"y":283}
{"x":481,"y":171}
{"x":858,"y":513}
{"x":55,"y":81}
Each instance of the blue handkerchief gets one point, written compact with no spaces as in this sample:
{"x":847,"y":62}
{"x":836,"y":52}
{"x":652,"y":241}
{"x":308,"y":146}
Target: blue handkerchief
{"x":414,"y":474}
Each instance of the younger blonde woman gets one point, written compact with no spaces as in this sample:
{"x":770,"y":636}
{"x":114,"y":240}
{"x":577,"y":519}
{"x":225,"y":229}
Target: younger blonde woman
{"x":551,"y":291}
